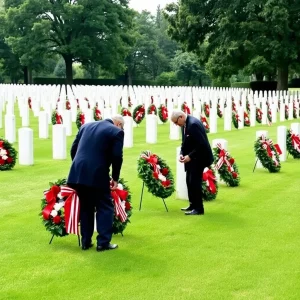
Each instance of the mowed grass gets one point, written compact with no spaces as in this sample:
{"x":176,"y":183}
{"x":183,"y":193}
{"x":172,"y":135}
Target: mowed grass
{"x":246,"y":246}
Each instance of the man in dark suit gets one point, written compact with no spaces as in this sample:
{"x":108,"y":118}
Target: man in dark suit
{"x":97,"y":147}
{"x":196,"y":154}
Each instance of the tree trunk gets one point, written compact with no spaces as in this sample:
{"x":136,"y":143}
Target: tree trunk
{"x":283,"y":74}
{"x":128,"y":77}
{"x":69,"y":70}
{"x":29,"y":72}
{"x":25,"y":72}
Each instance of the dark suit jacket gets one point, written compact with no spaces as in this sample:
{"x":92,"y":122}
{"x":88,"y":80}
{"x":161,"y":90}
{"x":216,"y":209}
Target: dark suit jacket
{"x":195,"y":144}
{"x":97,"y":146}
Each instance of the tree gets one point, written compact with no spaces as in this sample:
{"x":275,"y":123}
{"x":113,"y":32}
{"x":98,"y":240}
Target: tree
{"x":187,"y":67}
{"x":239,"y":34}
{"x":83,"y":31}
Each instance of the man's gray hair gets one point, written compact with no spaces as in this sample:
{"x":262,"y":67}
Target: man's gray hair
{"x":177,"y":113}
{"x":118,"y":118}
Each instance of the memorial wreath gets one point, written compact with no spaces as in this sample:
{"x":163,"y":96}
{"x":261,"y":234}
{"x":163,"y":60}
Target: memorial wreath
{"x":226,"y":166}
{"x":206,"y":109}
{"x":268,"y":154}
{"x":163,"y":113}
{"x":185,"y":108}
{"x":258,"y":115}
{"x":205,"y":123}
{"x":56,"y":118}
{"x":209,"y":184}
{"x":139,"y":114}
{"x":80,"y":119}
{"x":156,"y":175}
{"x":60,"y":208}
{"x":8,"y":155}
{"x":246,"y":119}
{"x":97,"y":114}
{"x":235,"y":119}
{"x":152,"y":110}
{"x":219,"y":112}
{"x":286,"y":112}
{"x":293,"y":144}
{"x":125,"y":112}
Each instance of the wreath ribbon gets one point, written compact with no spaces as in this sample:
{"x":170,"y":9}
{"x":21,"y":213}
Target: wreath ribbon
{"x":223,"y":159}
{"x":58,"y":119}
{"x":186,"y":109}
{"x":82,"y":119}
{"x":164,"y":113}
{"x":295,"y":142}
{"x":152,"y":160}
{"x":266,"y":144}
{"x":50,"y":196}
{"x":209,"y":177}
{"x":118,"y":196}
{"x":71,"y":209}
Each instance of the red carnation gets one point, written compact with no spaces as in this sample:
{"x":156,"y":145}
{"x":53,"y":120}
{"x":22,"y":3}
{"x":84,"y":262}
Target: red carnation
{"x":9,"y":160}
{"x":127,"y":205}
{"x":2,"y":161}
{"x":234,"y":175}
{"x":57,"y":219}
{"x":165,"y":171}
{"x":155,"y":175}
{"x":166,"y":183}
{"x":55,"y":189}
{"x":231,"y":160}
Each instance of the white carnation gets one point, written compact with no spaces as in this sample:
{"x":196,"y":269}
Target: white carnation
{"x":5,"y":157}
{"x":161,"y":177}
{"x":120,"y":186}
{"x":53,"y":213}
{"x":3,"y":152}
{"x":57,"y":206}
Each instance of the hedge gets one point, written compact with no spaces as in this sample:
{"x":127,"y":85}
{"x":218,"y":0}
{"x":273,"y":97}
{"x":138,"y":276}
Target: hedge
{"x":243,"y":85}
{"x":263,"y":85}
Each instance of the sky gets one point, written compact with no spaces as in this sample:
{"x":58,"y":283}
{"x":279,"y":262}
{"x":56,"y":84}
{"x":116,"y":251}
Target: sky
{"x":149,"y":5}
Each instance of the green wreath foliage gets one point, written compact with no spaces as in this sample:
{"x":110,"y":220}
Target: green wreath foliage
{"x":160,"y":113}
{"x":55,"y":116}
{"x":125,"y":112}
{"x":269,"y":115}
{"x":246,"y":119}
{"x":295,"y":112}
{"x":235,"y":121}
{"x":290,"y":147}
{"x":258,"y":115}
{"x":262,"y":154}
{"x":152,"y":109}
{"x":78,"y":119}
{"x":207,"y":193}
{"x":8,"y":155}
{"x":56,"y":224}
{"x":155,"y":185}
{"x":231,"y":178}
{"x":138,"y":114}
{"x":219,"y":112}
{"x":286,"y":112}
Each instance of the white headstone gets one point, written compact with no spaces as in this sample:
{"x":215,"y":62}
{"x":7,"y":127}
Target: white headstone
{"x":10,"y":128}
{"x":67,"y":119}
{"x":295,"y":127}
{"x":43,"y":125}
{"x":89,"y":116}
{"x":174,"y":131}
{"x":151,"y":129}
{"x":241,"y":117}
{"x":281,"y":141}
{"x":252,"y":115}
{"x":107,"y":113}
{"x":25,"y":116}
{"x":25,"y":146}
{"x":181,"y":187}
{"x":59,"y":143}
{"x":0,"y":118}
{"x":128,"y":132}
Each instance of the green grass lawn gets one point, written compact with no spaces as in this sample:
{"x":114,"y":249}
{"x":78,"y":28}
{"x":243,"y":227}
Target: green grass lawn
{"x":246,"y":246}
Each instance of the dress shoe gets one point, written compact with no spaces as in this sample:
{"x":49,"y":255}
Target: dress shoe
{"x":194,"y":212}
{"x":107,"y":247}
{"x":189,"y":208}
{"x":87,"y":247}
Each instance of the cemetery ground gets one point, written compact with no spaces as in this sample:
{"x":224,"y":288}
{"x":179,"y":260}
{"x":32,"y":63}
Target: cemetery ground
{"x":246,"y":246}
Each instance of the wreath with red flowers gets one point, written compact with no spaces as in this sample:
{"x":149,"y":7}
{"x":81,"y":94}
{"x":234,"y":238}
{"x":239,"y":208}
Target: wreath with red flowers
{"x":268,"y":154}
{"x":152,"y":110}
{"x":206,"y":109}
{"x":56,"y":118}
{"x":258,"y":115}
{"x":80,"y":119}
{"x":139,"y":114}
{"x":209,"y":184}
{"x":29,"y":102}
{"x":125,"y":112}
{"x":286,"y":112}
{"x":185,"y":108}
{"x":8,"y":155}
{"x":205,"y":123}
{"x":295,"y":111}
{"x":219,"y":112}
{"x":269,"y":115}
{"x":246,"y":119}
{"x":233,"y":105}
{"x":293,"y":144}
{"x":163,"y":113}
{"x":248,"y":106}
{"x":235,"y":119}
{"x":129,"y":102}
{"x":97,"y":114}
{"x":53,"y":208}
{"x":226,"y":166}
{"x":68,"y":105}
{"x":156,"y":175}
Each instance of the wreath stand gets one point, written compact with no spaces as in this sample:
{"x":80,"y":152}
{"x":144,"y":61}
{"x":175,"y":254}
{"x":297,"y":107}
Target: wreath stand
{"x":77,"y":236}
{"x":255,"y":164}
{"x":141,"y":200}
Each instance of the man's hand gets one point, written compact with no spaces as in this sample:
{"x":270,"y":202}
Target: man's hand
{"x":184,"y":159}
{"x":113,"y":185}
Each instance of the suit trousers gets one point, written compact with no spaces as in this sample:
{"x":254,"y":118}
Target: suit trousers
{"x":93,"y":199}
{"x":194,"y":187}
